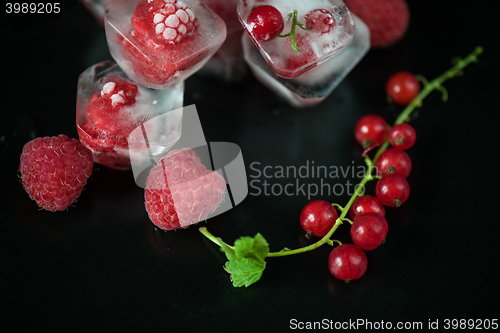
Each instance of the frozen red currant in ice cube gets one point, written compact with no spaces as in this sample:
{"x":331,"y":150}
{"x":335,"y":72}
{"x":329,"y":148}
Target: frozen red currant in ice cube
{"x":159,"y":43}
{"x":325,"y":26}
{"x":265,"y":22}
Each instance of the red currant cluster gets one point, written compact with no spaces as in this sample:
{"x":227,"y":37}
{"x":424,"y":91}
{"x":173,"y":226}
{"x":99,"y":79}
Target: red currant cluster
{"x":389,"y":165}
{"x":367,"y":213}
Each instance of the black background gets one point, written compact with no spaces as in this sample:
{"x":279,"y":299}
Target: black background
{"x":102,"y":266}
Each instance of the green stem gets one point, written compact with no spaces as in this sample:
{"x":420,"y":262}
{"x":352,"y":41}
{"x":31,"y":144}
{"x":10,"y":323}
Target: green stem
{"x":436,"y":84}
{"x":214,"y":239}
{"x":291,"y":34}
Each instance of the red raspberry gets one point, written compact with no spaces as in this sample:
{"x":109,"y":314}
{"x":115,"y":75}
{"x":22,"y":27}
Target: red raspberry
{"x":161,"y":29}
{"x":387,"y":19}
{"x":163,"y":22}
{"x":106,"y":112}
{"x":54,"y":171}
{"x":180,"y":191}
{"x":108,"y":122}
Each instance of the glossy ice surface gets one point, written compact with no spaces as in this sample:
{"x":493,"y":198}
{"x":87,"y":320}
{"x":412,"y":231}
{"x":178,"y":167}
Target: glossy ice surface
{"x":96,"y":8}
{"x":110,"y":107}
{"x":315,"y":45}
{"x":228,"y":63}
{"x":145,"y":39}
{"x":315,"y":85}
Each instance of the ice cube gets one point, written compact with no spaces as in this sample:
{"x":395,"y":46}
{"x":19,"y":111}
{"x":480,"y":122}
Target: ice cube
{"x":110,"y":106}
{"x":320,"y":29}
{"x":228,"y":63}
{"x":315,"y":85}
{"x":96,"y":8}
{"x":159,"y":43}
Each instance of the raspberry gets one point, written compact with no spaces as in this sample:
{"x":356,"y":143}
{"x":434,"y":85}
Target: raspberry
{"x":180,"y":191}
{"x":162,"y":48}
{"x":106,"y":113}
{"x":163,"y":21}
{"x":109,"y":120}
{"x":387,"y":19}
{"x":54,"y":171}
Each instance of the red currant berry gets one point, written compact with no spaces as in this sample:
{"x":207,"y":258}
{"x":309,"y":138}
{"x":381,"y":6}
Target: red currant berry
{"x":402,"y":87}
{"x":394,"y":161}
{"x":392,"y":190}
{"x":366,"y":204}
{"x":320,"y":20}
{"x":369,"y":230}
{"x":371,"y":130}
{"x":402,"y":136}
{"x":265,"y":22}
{"x":347,"y":262}
{"x":318,"y":217}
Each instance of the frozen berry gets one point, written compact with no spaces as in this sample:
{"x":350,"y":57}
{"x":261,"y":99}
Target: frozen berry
{"x":265,"y":22}
{"x":320,"y":21}
{"x":163,"y":21}
{"x":106,"y":113}
{"x":54,"y":171}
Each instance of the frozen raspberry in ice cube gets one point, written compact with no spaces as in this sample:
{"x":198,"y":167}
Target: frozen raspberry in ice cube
{"x":110,"y":107}
{"x":159,"y":43}
{"x":164,"y":22}
{"x":105,"y":111}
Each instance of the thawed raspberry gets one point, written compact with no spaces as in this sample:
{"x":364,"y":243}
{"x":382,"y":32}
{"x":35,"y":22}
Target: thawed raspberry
{"x":163,"y":21}
{"x":54,"y":171}
{"x":180,"y":191}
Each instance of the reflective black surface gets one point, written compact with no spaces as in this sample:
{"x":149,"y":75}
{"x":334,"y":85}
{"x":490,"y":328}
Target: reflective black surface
{"x":102,"y":266}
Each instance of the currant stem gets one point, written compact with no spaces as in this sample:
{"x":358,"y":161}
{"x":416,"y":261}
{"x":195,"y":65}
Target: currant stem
{"x":214,"y":239}
{"x":436,"y":84}
{"x":291,"y":34}
{"x":339,"y":207}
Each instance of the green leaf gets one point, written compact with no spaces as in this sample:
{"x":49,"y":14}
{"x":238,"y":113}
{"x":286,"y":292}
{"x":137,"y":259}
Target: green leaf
{"x":246,"y":260}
